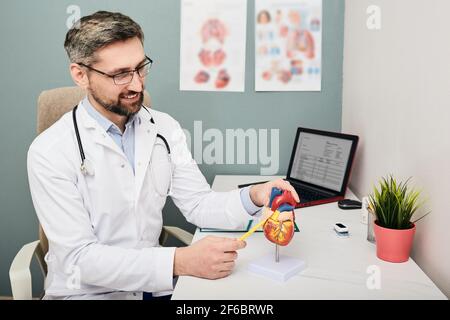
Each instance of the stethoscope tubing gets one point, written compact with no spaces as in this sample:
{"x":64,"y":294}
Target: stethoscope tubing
{"x":80,"y":144}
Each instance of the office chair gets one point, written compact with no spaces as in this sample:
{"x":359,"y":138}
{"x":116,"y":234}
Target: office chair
{"x":52,"y":104}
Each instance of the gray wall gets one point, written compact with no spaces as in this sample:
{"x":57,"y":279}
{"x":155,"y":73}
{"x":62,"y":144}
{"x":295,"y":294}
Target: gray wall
{"x":33,"y":59}
{"x":394,"y":79}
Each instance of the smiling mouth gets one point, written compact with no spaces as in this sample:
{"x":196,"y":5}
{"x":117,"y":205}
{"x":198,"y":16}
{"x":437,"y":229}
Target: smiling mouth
{"x":131,"y":96}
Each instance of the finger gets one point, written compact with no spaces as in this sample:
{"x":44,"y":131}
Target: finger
{"x":226,"y":266}
{"x":285,"y":185}
{"x":293,"y":191}
{"x":232,"y":244}
{"x":218,"y":239}
{"x":230,"y":256}
{"x":241,"y":244}
{"x":222,"y":274}
{"x":217,"y":275}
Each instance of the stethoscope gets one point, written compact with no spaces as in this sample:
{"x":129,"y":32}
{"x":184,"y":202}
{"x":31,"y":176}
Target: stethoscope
{"x":86,"y":167}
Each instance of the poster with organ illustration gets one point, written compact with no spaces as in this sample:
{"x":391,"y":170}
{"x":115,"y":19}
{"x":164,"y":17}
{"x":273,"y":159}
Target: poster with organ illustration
{"x":288,"y":45}
{"x":212,"y":48}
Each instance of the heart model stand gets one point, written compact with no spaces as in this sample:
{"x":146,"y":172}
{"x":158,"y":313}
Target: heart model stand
{"x":283,"y":267}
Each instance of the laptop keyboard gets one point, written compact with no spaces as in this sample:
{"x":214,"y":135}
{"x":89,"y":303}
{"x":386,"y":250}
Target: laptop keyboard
{"x":308,"y":195}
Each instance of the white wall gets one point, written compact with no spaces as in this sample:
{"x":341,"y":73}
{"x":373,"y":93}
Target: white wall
{"x":397,"y":99}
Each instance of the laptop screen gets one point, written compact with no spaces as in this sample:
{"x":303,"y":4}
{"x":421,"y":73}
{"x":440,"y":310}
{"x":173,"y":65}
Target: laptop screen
{"x":321,"y":160}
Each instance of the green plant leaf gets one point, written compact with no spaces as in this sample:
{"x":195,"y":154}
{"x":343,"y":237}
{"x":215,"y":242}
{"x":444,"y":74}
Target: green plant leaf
{"x":394,"y":203}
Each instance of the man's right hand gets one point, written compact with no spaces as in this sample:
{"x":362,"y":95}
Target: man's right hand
{"x":210,"y":258}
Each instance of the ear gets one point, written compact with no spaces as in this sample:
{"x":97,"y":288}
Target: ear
{"x":79,"y":75}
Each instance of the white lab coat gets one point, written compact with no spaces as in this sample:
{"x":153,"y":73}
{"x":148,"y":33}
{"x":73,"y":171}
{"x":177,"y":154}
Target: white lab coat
{"x":103,"y":229}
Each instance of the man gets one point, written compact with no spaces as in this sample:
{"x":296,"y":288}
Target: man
{"x":99,"y":178}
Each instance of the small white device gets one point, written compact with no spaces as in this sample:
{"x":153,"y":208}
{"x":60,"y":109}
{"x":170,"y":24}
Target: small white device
{"x":365,"y":210}
{"x":340,"y":228}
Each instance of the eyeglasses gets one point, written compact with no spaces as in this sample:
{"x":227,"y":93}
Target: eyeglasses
{"x":126,"y":77}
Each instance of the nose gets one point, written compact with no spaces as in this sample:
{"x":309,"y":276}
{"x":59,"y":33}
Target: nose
{"x":136,"y":84}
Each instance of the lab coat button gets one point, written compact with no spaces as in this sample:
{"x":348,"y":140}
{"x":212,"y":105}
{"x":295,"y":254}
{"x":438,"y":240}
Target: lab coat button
{"x":122,"y":165}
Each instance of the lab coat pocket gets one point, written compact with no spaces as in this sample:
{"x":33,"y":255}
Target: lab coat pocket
{"x":161,"y":170}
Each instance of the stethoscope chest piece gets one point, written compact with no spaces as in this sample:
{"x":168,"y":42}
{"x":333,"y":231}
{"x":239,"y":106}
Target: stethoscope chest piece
{"x":87,"y":168}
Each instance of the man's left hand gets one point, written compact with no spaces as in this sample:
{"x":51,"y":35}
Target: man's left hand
{"x":260,"y":193}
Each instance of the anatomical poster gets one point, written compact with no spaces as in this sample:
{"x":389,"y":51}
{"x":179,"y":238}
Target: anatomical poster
{"x":212,"y":48}
{"x":288,"y":45}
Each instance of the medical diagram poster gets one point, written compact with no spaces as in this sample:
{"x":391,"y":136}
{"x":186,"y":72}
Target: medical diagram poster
{"x":212,"y":45}
{"x":288,"y":45}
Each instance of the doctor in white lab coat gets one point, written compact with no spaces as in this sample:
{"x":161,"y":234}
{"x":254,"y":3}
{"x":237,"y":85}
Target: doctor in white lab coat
{"x":103,"y":222}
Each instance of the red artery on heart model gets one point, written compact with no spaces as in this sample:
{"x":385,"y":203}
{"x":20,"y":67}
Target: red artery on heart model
{"x":279,"y":227}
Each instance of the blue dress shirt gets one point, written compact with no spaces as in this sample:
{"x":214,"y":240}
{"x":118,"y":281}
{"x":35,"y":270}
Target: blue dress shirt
{"x":124,"y":140}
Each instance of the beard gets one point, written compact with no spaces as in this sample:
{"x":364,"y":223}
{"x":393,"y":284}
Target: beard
{"x":117,"y":107}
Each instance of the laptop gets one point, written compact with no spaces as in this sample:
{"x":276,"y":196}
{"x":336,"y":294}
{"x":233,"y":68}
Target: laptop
{"x":320,"y":165}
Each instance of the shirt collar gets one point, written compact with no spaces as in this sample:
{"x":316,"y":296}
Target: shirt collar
{"x":104,"y":122}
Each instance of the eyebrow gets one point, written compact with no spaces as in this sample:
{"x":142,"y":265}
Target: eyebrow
{"x":119,"y":70}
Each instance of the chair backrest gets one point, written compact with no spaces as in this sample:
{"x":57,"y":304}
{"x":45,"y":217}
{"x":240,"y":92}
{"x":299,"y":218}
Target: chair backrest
{"x":52,"y":105}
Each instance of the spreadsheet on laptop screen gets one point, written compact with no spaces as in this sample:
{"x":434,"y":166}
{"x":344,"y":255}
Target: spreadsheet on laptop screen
{"x":321,"y":160}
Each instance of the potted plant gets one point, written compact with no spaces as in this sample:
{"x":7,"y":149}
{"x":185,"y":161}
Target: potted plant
{"x":393,"y":206}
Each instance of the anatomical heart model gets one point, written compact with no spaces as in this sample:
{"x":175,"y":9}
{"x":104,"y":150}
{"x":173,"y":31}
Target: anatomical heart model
{"x":279,"y":227}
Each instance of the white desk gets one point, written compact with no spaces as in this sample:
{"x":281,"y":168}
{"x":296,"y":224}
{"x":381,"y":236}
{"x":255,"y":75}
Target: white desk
{"x":336,"y":267}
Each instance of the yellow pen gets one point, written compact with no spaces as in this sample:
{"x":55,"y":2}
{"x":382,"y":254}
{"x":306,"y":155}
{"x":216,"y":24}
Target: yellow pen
{"x":256,"y":227}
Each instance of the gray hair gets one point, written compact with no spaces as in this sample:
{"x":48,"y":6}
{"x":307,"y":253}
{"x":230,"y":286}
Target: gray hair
{"x":96,"y":31}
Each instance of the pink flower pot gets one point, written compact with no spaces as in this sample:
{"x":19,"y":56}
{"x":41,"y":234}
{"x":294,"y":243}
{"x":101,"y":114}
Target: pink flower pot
{"x":394,"y":245}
